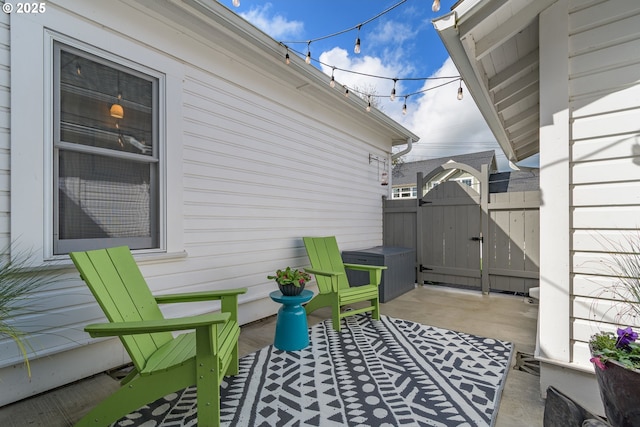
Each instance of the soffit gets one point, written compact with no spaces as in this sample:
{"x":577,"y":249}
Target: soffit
{"x":494,"y":44}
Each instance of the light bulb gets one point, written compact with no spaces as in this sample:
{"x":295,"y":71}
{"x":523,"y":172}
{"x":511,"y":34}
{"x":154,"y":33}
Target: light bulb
{"x":393,"y":94}
{"x":460,"y":93}
{"x":236,"y":3}
{"x":116,"y":111}
{"x":356,"y":48}
{"x":308,"y":58}
{"x":346,"y":92}
{"x":332,"y":83}
{"x":435,"y":6}
{"x":369,"y":106}
{"x":404,"y":109}
{"x":287,"y":59}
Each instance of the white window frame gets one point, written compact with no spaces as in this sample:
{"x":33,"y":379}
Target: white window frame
{"x":31,"y":216}
{"x":404,"y":192}
{"x":155,"y":217}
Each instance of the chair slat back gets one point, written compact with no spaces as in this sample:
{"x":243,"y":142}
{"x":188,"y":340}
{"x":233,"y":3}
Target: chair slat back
{"x":324,"y":254}
{"x":121,"y":291}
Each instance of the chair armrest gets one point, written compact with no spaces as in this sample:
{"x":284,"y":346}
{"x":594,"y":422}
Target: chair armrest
{"x":198,"y":296}
{"x":323,"y":272}
{"x":375,"y":271}
{"x":332,"y":275}
{"x":365,"y":267}
{"x":150,"y":326}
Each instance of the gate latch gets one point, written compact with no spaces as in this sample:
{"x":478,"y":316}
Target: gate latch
{"x":477,"y":239}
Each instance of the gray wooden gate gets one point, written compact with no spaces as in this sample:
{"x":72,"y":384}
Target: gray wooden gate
{"x":450,"y":248}
{"x":489,"y":241}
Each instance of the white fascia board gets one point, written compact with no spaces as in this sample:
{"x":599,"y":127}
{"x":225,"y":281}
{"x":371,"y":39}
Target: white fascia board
{"x":448,"y":31}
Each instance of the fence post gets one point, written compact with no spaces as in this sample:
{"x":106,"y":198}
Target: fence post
{"x":484,"y":227}
{"x":419,"y":232}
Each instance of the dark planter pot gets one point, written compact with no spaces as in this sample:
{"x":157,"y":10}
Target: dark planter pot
{"x":290,"y":290}
{"x":620,"y":394}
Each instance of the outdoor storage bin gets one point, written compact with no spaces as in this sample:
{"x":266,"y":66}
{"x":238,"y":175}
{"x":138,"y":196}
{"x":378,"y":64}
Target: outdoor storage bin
{"x":398,"y":278}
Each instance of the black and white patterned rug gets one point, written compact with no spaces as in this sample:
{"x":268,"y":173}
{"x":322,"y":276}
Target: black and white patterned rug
{"x":391,"y":372}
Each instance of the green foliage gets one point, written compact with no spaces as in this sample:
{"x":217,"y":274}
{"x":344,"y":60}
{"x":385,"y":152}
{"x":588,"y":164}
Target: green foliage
{"x":605,"y":346}
{"x":17,"y":286}
{"x":290,"y":276}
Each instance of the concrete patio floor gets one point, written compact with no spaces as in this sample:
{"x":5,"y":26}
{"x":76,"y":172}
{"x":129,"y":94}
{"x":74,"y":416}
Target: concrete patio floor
{"x":506,"y":317}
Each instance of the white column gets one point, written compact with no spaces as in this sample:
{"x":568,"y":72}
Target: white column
{"x":555,"y":282}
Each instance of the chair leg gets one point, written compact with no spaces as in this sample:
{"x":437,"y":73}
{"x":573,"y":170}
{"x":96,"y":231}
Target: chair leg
{"x":234,"y":365}
{"x":208,"y":375}
{"x":335,"y":313}
{"x":208,"y":390}
{"x":375,"y":313}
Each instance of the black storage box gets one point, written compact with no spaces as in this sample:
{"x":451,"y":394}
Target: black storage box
{"x":398,"y":278}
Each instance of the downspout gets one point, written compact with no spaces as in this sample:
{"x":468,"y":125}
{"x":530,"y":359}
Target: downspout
{"x":405,"y":151}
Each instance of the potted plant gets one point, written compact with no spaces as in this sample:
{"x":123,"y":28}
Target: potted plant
{"x":290,"y":281}
{"x":617,"y":356}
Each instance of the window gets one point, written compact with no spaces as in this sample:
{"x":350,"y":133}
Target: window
{"x":106,"y":156}
{"x":404,"y":193}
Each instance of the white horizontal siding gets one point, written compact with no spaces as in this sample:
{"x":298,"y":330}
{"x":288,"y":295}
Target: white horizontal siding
{"x":604,"y":94}
{"x":260,"y":176}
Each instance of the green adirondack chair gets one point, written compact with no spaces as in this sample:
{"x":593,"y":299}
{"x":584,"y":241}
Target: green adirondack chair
{"x":162,"y":363}
{"x":333,"y":285}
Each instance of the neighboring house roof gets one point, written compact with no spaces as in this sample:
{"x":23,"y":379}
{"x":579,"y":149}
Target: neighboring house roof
{"x":507,"y":182}
{"x":406,"y":173}
{"x":501,"y":38}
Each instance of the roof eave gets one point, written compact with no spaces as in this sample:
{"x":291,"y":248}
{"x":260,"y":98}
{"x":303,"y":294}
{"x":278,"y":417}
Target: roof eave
{"x":446,"y":27}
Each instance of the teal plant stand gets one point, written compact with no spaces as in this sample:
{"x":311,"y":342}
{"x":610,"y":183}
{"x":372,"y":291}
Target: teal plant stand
{"x":292,"y":331}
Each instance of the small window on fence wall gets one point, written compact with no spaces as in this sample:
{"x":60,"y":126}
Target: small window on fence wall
{"x":106,"y":165}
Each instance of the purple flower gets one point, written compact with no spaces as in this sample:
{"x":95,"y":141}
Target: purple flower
{"x":598,"y":363}
{"x":625,"y":337}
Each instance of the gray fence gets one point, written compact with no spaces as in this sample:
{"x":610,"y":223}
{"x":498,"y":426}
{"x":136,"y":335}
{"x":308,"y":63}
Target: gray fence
{"x":509,"y":254}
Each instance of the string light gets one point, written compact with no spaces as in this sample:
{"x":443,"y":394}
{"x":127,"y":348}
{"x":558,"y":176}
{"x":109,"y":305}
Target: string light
{"x":236,"y":3}
{"x":287,"y":58}
{"x":357,"y":49}
{"x":356,"y":27}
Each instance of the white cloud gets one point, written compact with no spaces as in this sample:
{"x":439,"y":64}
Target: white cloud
{"x":390,"y":32}
{"x":277,"y":26}
{"x":446,"y":125}
{"x":363,"y":67}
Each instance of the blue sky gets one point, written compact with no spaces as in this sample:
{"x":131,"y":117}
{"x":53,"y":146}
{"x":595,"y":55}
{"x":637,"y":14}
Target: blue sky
{"x":399,"y":44}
